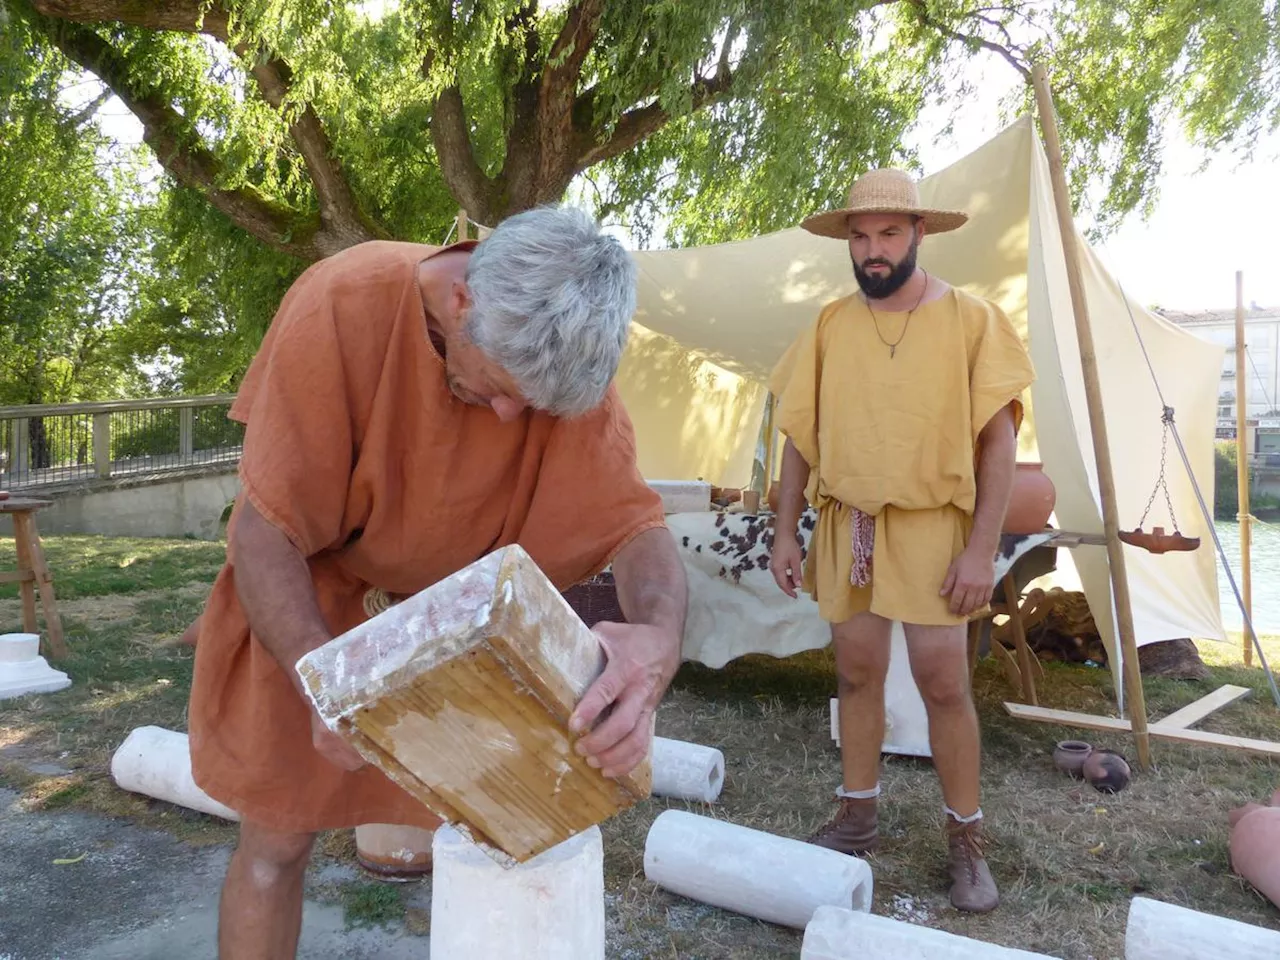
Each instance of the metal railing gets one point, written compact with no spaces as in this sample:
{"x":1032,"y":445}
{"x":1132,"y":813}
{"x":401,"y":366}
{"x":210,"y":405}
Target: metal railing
{"x":57,"y":444}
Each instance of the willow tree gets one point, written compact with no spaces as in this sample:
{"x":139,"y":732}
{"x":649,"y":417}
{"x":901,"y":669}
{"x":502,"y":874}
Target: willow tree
{"x":313,"y":124}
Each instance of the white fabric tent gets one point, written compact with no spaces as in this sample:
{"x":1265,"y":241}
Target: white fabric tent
{"x":712,"y":321}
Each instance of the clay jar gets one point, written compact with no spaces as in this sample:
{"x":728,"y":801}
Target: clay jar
{"x":392,"y":851}
{"x":1032,"y":500}
{"x":1255,"y":850}
{"x":1107,"y":771}
{"x":1069,"y":757}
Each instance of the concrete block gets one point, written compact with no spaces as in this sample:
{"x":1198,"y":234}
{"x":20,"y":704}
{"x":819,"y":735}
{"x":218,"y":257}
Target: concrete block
{"x":1162,"y":931}
{"x":23,"y":670}
{"x":550,"y":907}
{"x":157,"y":762}
{"x":835,"y":933}
{"x":683,"y":496}
{"x":687,"y":771}
{"x":751,"y":872}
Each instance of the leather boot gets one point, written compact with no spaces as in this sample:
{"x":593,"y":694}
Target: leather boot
{"x":853,"y":830}
{"x":973,"y":889}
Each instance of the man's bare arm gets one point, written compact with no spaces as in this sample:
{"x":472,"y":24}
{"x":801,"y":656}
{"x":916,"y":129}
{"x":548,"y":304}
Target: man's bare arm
{"x":791,"y":486}
{"x":275,"y":590}
{"x":643,"y":654}
{"x":651,"y":582}
{"x":995,"y":480}
{"x":279,"y":600}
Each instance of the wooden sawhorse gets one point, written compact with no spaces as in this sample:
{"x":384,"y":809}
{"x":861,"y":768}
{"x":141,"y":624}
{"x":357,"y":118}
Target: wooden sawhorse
{"x":33,"y":574}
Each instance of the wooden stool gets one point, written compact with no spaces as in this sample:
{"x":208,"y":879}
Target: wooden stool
{"x":33,"y":573}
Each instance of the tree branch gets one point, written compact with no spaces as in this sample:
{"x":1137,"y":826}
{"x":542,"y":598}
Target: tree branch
{"x":187,"y":16}
{"x":559,"y":87}
{"x":86,"y":113}
{"x":191,"y":163}
{"x":922,"y":14}
{"x":634,"y":125}
{"x":342,"y":224}
{"x":470,"y":186}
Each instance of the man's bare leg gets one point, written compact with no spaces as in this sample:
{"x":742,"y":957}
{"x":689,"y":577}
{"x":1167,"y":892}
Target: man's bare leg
{"x":260,"y":915}
{"x":862,"y":661}
{"x":940,"y":666}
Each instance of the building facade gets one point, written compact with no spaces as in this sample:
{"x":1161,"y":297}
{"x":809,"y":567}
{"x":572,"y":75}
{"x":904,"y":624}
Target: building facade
{"x":1261,"y":386}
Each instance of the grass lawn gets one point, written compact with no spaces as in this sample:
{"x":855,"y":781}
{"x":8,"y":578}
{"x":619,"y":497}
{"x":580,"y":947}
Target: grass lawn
{"x":1068,"y":859}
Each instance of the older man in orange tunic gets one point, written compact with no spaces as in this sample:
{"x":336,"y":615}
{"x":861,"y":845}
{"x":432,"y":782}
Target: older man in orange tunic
{"x":410,"y":410}
{"x":900,"y":407}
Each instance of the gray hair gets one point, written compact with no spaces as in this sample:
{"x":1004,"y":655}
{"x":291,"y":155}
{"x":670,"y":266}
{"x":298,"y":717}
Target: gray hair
{"x":551,"y":302}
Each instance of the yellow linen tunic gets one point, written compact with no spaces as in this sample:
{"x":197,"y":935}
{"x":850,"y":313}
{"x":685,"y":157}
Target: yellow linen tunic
{"x":897,"y":438}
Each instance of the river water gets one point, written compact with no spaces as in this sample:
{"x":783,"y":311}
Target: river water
{"x":1265,"y":569}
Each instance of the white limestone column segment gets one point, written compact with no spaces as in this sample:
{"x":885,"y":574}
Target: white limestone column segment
{"x":157,"y":762}
{"x":687,"y":771}
{"x":548,"y":908}
{"x":683,"y":496}
{"x":1162,"y":931}
{"x":838,"y":934}
{"x":751,"y":872}
{"x":23,"y":670}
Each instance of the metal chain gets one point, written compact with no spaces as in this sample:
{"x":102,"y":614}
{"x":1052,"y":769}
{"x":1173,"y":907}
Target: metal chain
{"x":1167,"y":420}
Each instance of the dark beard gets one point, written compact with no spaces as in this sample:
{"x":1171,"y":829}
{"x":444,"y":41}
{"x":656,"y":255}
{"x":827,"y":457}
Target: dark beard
{"x":879,"y":287}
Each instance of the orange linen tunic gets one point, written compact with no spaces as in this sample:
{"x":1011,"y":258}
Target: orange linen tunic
{"x":356,"y":449}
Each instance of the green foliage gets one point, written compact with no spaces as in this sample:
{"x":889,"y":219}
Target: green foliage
{"x":1226,"y":496}
{"x":693,"y":122}
{"x":69,"y":226}
{"x":1226,"y":492}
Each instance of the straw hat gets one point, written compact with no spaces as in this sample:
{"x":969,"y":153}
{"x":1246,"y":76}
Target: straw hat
{"x":883,"y":191}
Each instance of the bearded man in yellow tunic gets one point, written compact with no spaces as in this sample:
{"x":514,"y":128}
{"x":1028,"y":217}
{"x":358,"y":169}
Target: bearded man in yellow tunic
{"x":901,"y":407}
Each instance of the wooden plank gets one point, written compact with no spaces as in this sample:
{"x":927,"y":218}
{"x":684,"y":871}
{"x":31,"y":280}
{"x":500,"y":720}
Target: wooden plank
{"x":1193,"y":713}
{"x":27,"y":588}
{"x":44,"y":584}
{"x":1067,"y":718}
{"x":20,"y":577}
{"x":1088,"y":721}
{"x":1020,"y":640}
{"x":462,"y":695}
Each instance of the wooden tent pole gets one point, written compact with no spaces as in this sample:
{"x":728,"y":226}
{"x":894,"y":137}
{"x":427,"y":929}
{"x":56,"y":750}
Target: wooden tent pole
{"x":462,"y":226}
{"x":1242,"y":465}
{"x":1097,"y":420}
{"x":770,"y":443}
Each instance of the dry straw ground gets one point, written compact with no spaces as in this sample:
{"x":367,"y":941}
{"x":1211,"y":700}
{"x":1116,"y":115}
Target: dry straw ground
{"x":1068,"y":859}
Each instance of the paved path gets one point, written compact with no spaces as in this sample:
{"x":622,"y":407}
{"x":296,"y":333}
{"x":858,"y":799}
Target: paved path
{"x":142,"y":895}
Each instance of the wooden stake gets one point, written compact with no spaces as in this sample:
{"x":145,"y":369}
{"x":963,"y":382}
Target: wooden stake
{"x":462,"y":226}
{"x":770,"y":443}
{"x":1097,"y":421}
{"x":1242,"y":466}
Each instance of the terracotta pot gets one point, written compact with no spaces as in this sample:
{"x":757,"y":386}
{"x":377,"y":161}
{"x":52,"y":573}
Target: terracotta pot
{"x":1157,"y":541}
{"x":1255,"y":850}
{"x":1069,"y":757}
{"x":1106,"y":771}
{"x":1239,"y":813}
{"x":1032,"y":500}
{"x":393,"y":851}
